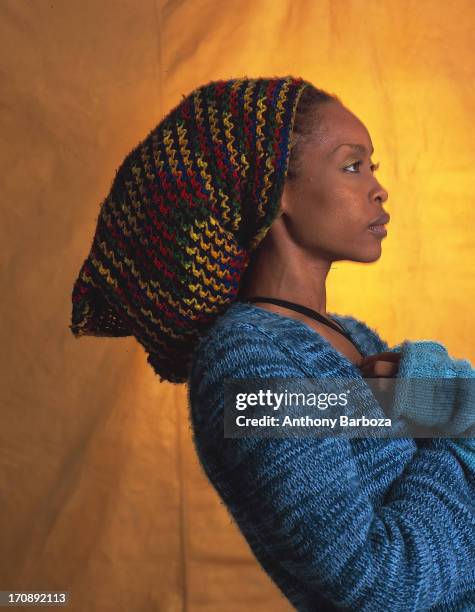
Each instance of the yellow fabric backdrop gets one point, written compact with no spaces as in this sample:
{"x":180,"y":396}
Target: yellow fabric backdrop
{"x":101,"y":491}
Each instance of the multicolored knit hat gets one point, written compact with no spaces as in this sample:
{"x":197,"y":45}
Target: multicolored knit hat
{"x":186,"y":209}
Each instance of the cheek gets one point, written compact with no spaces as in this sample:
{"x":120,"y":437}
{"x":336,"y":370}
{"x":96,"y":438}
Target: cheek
{"x":332,"y":220}
{"x":344,"y":208}
{"x":325,"y":207}
{"x":314,"y":219}
{"x":314,"y":213}
{"x":324,"y":212}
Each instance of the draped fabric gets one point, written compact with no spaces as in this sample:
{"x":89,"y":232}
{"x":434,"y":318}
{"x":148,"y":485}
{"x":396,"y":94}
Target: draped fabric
{"x":102,"y":494}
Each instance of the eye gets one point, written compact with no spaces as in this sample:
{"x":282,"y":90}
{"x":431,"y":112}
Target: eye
{"x":358,"y":163}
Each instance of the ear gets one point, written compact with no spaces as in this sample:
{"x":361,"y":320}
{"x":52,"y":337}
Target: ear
{"x":285,"y":198}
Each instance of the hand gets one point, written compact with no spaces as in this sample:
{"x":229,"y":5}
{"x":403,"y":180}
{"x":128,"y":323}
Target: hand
{"x":382,"y":365}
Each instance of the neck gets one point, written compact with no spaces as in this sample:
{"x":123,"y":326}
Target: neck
{"x":288,"y":274}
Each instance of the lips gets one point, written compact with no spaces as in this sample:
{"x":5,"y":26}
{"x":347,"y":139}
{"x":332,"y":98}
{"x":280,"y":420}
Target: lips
{"x":378,"y":230}
{"x":381,"y":220}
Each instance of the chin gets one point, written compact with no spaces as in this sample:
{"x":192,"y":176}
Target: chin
{"x":367,"y":256}
{"x":370,"y":257}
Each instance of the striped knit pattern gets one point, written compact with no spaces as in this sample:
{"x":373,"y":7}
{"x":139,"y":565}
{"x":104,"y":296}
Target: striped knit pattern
{"x":365,"y":524}
{"x":186,"y":209}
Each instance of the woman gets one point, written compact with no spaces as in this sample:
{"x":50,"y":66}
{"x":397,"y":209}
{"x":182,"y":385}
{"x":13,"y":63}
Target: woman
{"x":257,"y":176}
{"x":331,"y":210}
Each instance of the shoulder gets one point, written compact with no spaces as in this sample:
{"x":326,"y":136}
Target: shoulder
{"x":235,"y":347}
{"x":240,"y":343}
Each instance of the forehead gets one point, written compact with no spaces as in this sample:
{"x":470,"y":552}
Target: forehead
{"x":339,"y":125}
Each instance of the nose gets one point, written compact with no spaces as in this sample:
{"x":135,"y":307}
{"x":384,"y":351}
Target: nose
{"x":380,"y":194}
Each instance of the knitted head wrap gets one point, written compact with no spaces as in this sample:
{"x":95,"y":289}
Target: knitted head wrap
{"x":186,"y":209}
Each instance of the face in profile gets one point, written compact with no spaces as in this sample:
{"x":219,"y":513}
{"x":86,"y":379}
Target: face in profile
{"x":327,"y":210}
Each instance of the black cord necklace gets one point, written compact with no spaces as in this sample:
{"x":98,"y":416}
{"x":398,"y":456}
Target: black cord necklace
{"x":309,"y":312}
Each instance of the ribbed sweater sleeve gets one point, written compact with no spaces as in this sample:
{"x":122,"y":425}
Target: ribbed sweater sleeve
{"x":450,"y":406}
{"x":302,"y":506}
{"x":433,"y":389}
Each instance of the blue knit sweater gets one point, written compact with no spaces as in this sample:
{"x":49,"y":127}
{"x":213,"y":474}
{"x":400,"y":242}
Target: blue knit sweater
{"x":339,"y":524}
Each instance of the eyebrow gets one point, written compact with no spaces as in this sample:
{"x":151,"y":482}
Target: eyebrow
{"x":357,"y":147}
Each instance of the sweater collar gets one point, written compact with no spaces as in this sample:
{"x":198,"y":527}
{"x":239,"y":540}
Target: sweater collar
{"x":292,"y":332}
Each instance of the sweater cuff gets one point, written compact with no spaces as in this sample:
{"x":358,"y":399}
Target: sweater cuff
{"x":422,"y":394}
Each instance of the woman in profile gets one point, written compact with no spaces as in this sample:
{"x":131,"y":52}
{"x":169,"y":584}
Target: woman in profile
{"x":212,"y":249}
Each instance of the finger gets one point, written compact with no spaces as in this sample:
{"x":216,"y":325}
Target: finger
{"x":368,"y":372}
{"x":365,"y":365}
{"x":384,"y":368}
{"x":369,"y":359}
{"x":389,"y":357}
{"x":390,"y":354}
